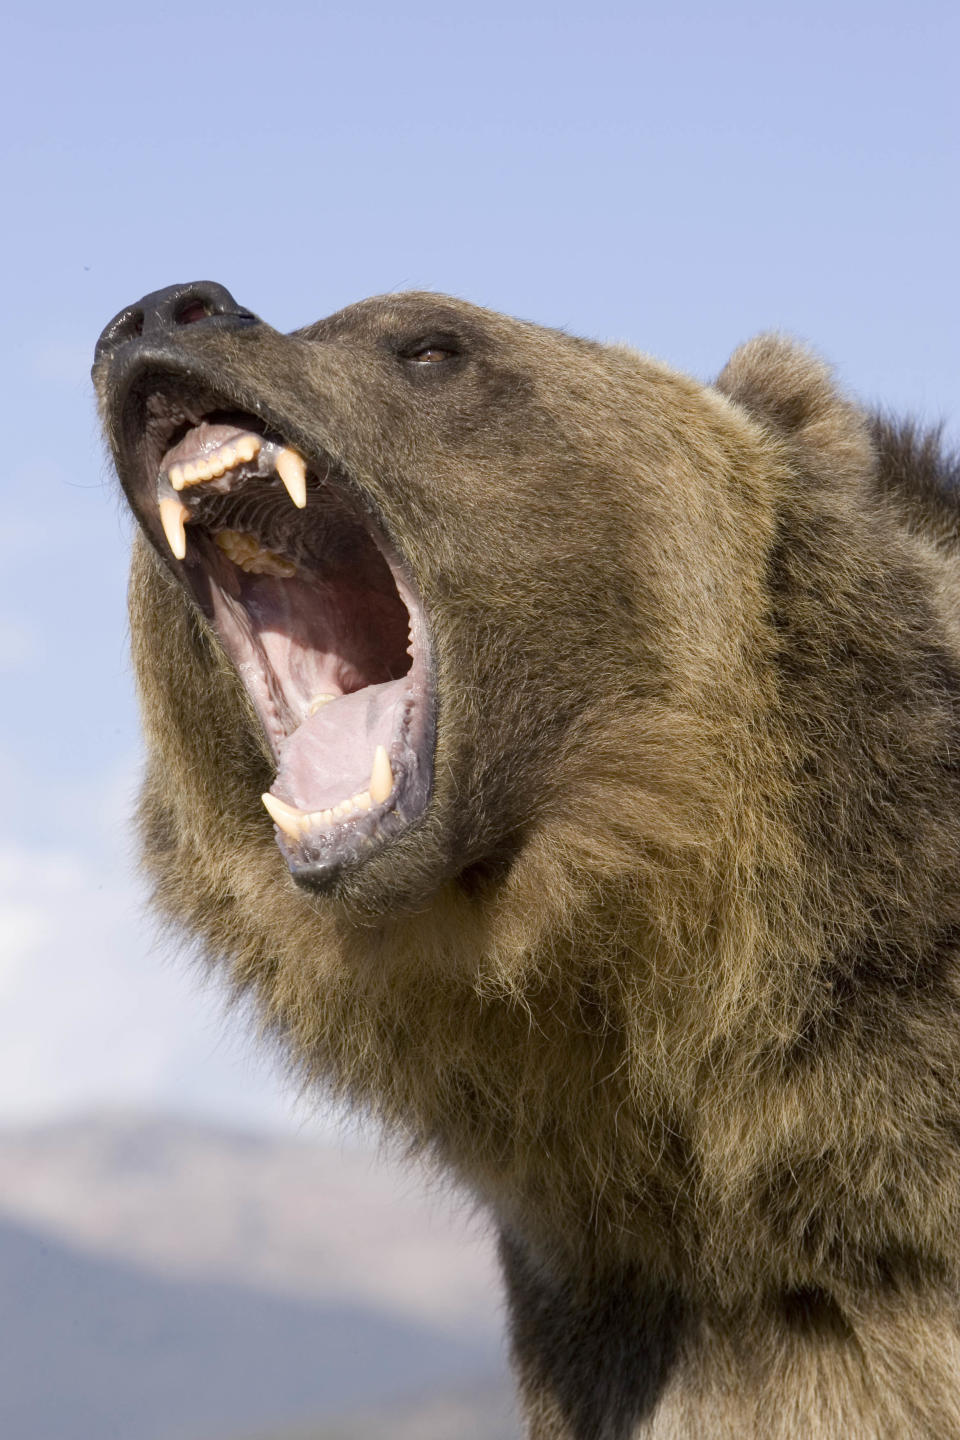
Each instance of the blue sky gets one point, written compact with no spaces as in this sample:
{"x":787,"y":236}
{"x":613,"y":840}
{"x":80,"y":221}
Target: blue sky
{"x":675,"y":177}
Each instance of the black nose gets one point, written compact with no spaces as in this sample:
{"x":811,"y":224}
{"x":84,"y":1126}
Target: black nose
{"x":165,"y":310}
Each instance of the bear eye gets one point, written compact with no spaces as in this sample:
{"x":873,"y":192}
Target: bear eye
{"x":431,"y":351}
{"x":430,"y":355}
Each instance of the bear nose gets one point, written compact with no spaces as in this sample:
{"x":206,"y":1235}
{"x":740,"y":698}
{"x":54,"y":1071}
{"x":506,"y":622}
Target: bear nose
{"x":165,"y":310}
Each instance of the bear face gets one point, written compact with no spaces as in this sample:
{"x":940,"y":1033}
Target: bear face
{"x":476,"y":569}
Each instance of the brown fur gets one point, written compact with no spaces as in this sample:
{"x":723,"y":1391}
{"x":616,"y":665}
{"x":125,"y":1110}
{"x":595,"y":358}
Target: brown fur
{"x":668,"y":974}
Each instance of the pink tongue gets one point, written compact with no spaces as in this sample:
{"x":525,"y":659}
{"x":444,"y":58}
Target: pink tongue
{"x":330,"y":756}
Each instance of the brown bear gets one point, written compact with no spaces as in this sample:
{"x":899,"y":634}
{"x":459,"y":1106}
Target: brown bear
{"x":607,"y":729}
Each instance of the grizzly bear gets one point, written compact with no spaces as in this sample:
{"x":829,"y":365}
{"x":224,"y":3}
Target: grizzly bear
{"x":565,"y":756}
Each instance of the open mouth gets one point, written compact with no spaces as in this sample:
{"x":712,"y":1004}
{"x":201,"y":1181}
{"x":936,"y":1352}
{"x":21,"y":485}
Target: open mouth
{"x":317,"y":612}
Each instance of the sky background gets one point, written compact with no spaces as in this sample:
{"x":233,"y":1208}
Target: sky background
{"x":675,"y":177}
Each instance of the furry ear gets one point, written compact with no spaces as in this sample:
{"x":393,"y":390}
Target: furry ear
{"x":791,"y":392}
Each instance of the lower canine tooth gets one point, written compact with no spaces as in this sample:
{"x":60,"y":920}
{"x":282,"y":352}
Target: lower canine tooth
{"x":381,"y":777}
{"x":173,"y":516}
{"x":292,"y":469}
{"x":286,"y":817}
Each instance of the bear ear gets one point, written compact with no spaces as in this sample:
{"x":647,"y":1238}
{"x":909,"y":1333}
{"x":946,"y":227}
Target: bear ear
{"x":792,"y":393}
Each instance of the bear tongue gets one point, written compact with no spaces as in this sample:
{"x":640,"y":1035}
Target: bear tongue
{"x":329,"y":758}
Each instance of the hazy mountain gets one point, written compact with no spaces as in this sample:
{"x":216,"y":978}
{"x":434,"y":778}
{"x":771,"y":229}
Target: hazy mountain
{"x":169,"y":1280}
{"x":93,"y":1350}
{"x":475,"y":1414}
{"x":298,"y":1217}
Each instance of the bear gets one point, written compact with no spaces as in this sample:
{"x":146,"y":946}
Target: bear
{"x":563,"y":754}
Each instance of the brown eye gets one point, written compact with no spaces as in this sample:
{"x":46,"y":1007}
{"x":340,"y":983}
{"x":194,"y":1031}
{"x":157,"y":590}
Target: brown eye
{"x":430,"y":355}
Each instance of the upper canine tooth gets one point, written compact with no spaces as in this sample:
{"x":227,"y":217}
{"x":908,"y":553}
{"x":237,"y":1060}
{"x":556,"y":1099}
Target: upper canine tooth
{"x":286,"y":817}
{"x":381,"y":777}
{"x":173,"y":517}
{"x":292,"y":469}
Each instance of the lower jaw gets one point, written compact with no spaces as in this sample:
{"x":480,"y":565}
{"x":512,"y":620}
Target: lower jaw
{"x":395,"y":793}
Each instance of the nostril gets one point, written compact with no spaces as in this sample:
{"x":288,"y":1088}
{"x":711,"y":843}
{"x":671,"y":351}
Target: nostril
{"x":191,"y":312}
{"x":169,"y":310}
{"x":128,"y":325}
